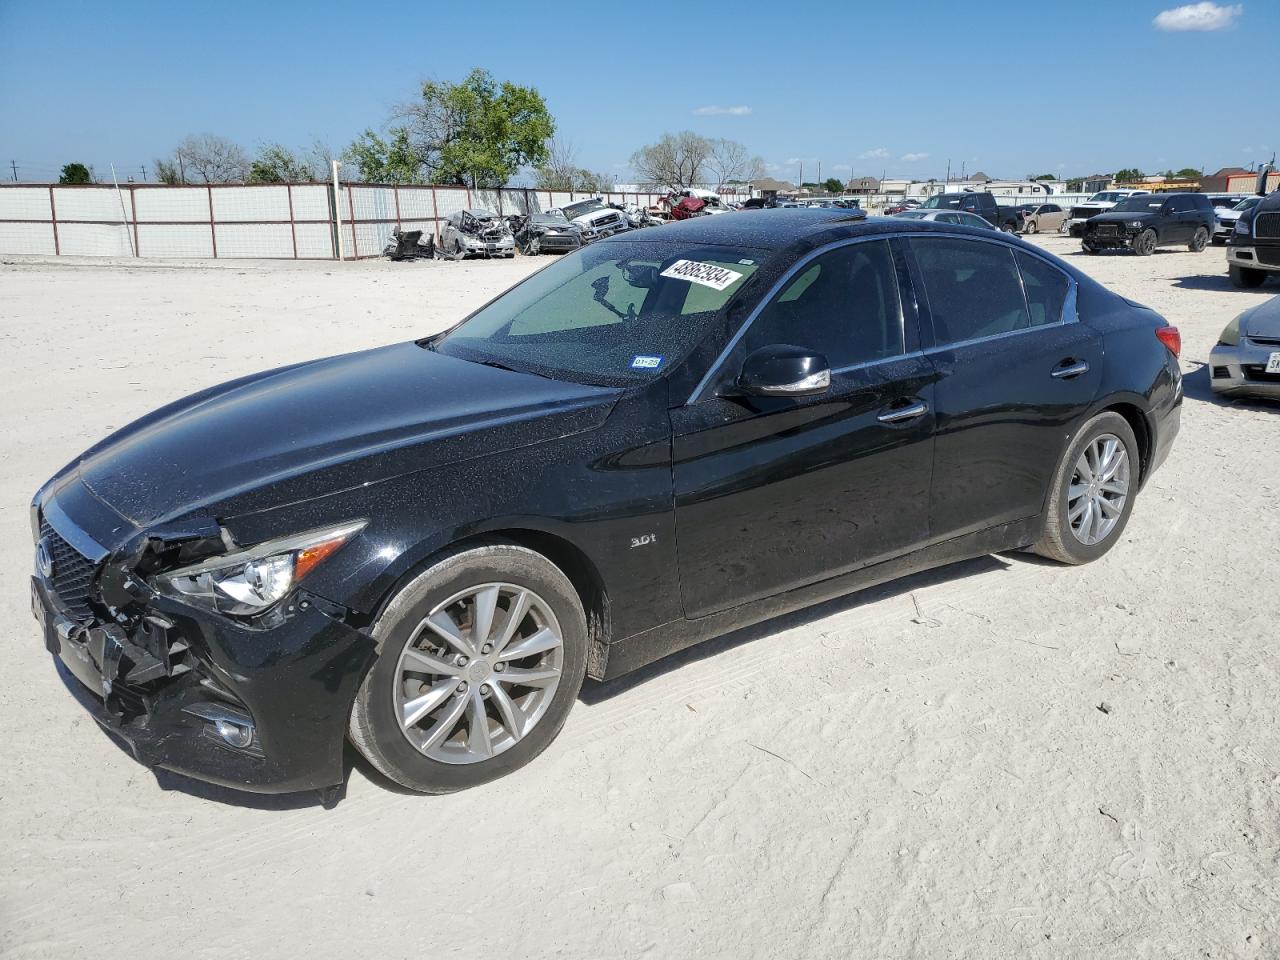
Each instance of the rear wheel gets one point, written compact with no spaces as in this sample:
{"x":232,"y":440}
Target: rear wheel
{"x":479,"y":661}
{"x":1246,"y":278}
{"x":1199,"y":241}
{"x":1093,"y":491}
{"x":1144,"y":244}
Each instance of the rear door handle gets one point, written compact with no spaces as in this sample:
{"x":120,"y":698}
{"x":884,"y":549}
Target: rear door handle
{"x":898,"y":414}
{"x":1069,"y":368}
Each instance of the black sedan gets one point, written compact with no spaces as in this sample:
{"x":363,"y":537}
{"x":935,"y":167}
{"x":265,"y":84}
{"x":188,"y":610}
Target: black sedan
{"x":426,"y":547}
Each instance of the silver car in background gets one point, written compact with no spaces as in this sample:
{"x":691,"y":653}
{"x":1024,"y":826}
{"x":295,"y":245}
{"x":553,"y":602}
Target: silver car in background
{"x":1226,"y":218}
{"x":1246,"y":360}
{"x":945,"y":216}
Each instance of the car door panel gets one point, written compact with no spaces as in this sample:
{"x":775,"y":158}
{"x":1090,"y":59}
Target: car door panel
{"x":772,"y":494}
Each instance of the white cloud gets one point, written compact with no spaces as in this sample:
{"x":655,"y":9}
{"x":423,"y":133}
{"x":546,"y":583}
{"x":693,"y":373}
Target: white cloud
{"x":879,"y":153}
{"x":1198,"y":16}
{"x":913,"y":157}
{"x":713,"y":111}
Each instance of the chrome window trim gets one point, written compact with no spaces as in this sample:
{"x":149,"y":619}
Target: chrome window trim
{"x":696,"y":396}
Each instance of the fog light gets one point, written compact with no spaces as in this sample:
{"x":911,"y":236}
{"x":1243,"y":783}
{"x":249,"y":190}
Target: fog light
{"x":235,"y":734}
{"x":227,"y":726}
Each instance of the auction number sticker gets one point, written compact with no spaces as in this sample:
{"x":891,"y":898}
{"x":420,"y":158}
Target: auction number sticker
{"x":705,"y":274}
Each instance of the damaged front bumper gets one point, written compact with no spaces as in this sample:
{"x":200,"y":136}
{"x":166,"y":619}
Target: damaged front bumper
{"x":262,"y":708}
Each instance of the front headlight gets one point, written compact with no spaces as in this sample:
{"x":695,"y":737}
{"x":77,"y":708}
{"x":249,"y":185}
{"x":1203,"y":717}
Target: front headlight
{"x":1243,"y":227}
{"x":1134,"y":224}
{"x":250,"y":581}
{"x":1230,"y":336}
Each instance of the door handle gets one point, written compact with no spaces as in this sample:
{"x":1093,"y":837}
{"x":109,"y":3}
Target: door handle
{"x":1069,"y":369}
{"x":898,"y":414}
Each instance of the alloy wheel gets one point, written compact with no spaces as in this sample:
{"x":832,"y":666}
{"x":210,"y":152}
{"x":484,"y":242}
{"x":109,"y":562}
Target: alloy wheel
{"x":478,"y":673}
{"x":1098,"y":489}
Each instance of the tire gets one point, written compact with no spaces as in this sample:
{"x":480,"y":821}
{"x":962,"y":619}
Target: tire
{"x":1144,"y":244}
{"x":387,"y":693}
{"x":1246,"y":278}
{"x":1031,"y":227}
{"x":1199,"y":240}
{"x":1008,"y":228}
{"x":1060,"y":540}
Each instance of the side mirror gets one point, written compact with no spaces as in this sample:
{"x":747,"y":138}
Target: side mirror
{"x":1260,"y":188}
{"x":781,"y":370}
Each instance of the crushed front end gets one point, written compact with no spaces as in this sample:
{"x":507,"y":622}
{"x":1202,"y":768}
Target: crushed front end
{"x":255,"y":703}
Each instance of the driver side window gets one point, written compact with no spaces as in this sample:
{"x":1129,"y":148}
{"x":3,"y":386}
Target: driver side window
{"x":843,"y":304}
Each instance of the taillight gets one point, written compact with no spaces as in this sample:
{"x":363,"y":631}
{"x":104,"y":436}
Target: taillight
{"x":1171,"y":338}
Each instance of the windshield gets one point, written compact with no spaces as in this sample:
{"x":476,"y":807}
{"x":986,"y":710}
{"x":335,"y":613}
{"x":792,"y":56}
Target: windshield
{"x":1110,"y":196}
{"x":912,"y":215}
{"x":1246,"y":203}
{"x":942,"y":200}
{"x":613,"y":313}
{"x":574,"y":210}
{"x":1141,"y":204}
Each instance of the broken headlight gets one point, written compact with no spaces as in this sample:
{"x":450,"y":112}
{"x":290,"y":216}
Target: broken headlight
{"x":1243,"y":227}
{"x":250,"y":581}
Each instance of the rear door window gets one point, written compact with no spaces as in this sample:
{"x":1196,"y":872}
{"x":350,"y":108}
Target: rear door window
{"x":973,"y":287}
{"x":1046,"y":288}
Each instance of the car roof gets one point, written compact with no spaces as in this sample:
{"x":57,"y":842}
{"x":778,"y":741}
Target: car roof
{"x":775,"y":229}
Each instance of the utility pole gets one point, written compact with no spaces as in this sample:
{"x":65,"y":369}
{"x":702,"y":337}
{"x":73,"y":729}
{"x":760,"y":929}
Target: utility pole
{"x":144,"y":173}
{"x":948,"y":169}
{"x":14,"y":164}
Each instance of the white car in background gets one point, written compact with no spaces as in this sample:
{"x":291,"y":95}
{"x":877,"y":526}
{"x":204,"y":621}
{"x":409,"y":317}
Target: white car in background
{"x":596,"y":218}
{"x":1228,"y":216}
{"x":1100,"y":202}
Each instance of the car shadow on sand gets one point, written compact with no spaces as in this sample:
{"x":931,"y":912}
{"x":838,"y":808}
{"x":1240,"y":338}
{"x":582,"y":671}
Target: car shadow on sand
{"x":1215,"y":282}
{"x":596,"y":691}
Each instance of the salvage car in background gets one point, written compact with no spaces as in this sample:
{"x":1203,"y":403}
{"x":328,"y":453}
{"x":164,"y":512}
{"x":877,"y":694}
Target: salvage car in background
{"x":1246,"y":360}
{"x":549,"y":232}
{"x":1143,"y":223}
{"x":427,"y":546}
{"x":1100,"y":202}
{"x":981,"y":203}
{"x":946,"y":216}
{"x":1042,"y":217}
{"x":1227,"y":218}
{"x":475,"y":233}
{"x":596,"y":218}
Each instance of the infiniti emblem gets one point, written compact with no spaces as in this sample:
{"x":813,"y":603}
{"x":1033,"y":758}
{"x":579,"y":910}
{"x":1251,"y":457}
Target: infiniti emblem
{"x":44,"y":558}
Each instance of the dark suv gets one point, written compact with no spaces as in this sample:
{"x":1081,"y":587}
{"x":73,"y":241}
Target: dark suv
{"x":1152,"y":220}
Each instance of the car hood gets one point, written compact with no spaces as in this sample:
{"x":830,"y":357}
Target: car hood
{"x":1121,"y":217}
{"x":316,"y":428}
{"x":1263,"y":320}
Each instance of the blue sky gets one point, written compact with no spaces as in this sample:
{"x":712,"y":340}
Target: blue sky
{"x":897,"y":88}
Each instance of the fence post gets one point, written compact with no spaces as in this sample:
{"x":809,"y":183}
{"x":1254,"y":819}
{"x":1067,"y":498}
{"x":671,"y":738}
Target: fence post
{"x":395,"y":192}
{"x":351,"y":209}
{"x":213,"y":232}
{"x":53,"y":219}
{"x":339,"y":253}
{"x":435,"y":209}
{"x":293,"y":226}
{"x":133,"y":205}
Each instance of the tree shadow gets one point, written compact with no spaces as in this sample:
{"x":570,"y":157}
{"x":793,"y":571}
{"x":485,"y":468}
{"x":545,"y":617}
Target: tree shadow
{"x":594,"y":691}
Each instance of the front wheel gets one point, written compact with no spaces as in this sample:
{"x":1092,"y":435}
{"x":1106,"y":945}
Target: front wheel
{"x":1144,"y":244}
{"x":1093,"y":490}
{"x":1199,"y":241}
{"x":1031,"y":227}
{"x":1246,"y":278}
{"x":480,"y":658}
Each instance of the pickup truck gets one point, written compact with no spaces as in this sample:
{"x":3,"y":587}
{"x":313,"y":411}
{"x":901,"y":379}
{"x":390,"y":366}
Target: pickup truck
{"x":982,"y":204}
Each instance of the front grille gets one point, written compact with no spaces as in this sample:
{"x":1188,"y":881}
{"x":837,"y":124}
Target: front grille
{"x":608,"y":221}
{"x":1258,"y":373}
{"x":1221,"y":373}
{"x":1084,"y":213}
{"x":1106,"y":230}
{"x":73,"y":573}
{"x":1268,"y":255}
{"x":1266,"y":226}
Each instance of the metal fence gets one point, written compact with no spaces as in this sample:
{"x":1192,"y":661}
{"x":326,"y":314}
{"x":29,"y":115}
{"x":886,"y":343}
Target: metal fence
{"x":305,"y":221}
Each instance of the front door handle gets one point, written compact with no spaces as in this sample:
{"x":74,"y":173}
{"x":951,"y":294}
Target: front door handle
{"x":898,"y":414}
{"x":1069,"y":369}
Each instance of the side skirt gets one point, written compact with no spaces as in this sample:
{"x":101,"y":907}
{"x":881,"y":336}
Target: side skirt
{"x":637,"y":651}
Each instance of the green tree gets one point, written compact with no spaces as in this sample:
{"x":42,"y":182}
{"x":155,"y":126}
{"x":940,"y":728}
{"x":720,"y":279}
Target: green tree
{"x":278,"y":164}
{"x":1045,"y":176}
{"x":75,"y":173}
{"x":832,"y":185}
{"x":1189,"y":173}
{"x":478,"y":131}
{"x":395,"y":160}
{"x":1128,"y":175}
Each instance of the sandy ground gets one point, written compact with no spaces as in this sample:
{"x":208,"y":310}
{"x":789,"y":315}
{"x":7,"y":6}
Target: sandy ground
{"x":921,"y":771}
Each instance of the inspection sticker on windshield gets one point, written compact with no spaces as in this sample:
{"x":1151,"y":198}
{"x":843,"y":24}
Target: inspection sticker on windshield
{"x":645,"y":363}
{"x":706,"y":274}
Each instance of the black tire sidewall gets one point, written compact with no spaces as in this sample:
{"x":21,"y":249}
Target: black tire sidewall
{"x":1115,"y":425}
{"x":1199,"y":248}
{"x":396,"y":757}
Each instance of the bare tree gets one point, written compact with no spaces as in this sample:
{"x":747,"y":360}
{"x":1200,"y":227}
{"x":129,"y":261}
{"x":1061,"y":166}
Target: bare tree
{"x":209,"y":158}
{"x":168,"y":172}
{"x":731,"y":161}
{"x":560,"y":171}
{"x":675,"y":161}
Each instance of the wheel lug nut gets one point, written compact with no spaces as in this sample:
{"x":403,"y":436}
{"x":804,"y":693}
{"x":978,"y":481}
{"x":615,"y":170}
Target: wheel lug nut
{"x":499,"y":667}
{"x":487,"y":648}
{"x":462,"y":687}
{"x":462,"y":660}
{"x":484,"y":689}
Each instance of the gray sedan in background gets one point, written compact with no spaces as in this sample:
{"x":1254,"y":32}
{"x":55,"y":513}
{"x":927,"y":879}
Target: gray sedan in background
{"x":945,"y":216}
{"x":1246,"y":360}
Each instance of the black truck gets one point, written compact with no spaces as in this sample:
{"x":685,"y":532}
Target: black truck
{"x":1253,"y":249}
{"x":980,"y":203}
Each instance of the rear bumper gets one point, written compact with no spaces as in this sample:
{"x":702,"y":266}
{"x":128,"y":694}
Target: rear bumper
{"x":294,"y":683}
